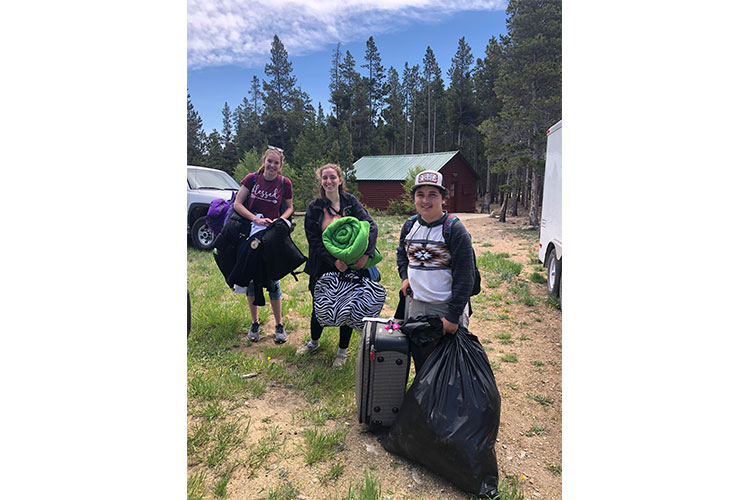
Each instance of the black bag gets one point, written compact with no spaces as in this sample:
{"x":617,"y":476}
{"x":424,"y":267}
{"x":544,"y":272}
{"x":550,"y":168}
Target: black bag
{"x":450,"y":416}
{"x":424,"y":333}
{"x":281,"y":256}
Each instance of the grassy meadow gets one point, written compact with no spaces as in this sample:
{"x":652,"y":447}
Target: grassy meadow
{"x":224,"y":376}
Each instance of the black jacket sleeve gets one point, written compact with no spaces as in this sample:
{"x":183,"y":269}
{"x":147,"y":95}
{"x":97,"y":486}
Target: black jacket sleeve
{"x":402,"y":260}
{"x":462,"y":270}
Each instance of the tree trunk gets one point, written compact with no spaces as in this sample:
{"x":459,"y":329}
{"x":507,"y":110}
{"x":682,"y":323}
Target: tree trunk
{"x":526,"y":185}
{"x":514,"y":207}
{"x":413,"y":131}
{"x":503,"y":208}
{"x":534,"y":201}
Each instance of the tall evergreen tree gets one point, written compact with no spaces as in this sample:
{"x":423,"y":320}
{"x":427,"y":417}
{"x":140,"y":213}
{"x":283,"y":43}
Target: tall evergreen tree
{"x":285,"y":104}
{"x":463,"y":111}
{"x":335,"y":85}
{"x":375,"y":80}
{"x":393,"y":112}
{"x":410,"y":81}
{"x":430,"y":70}
{"x":195,"y":134}
{"x":348,"y":80}
{"x":214,"y":156}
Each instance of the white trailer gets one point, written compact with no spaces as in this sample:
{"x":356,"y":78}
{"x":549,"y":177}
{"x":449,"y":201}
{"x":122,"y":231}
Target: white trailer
{"x":550,"y":232}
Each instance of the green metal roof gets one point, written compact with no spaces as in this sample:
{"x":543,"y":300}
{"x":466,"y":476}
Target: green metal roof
{"x":395,"y":167}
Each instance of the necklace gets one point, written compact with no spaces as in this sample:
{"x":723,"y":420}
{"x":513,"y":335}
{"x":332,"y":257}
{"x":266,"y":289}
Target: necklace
{"x":333,"y":211}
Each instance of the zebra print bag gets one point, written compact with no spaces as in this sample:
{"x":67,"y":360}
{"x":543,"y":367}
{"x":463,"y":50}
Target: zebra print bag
{"x":346,"y":299}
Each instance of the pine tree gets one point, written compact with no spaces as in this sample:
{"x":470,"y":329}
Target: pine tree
{"x":214,"y":157}
{"x":463,"y":111}
{"x":430,"y":71}
{"x":375,"y":79}
{"x":195,"y":135}
{"x":393,"y":113}
{"x":286,"y":105}
{"x":410,"y":81}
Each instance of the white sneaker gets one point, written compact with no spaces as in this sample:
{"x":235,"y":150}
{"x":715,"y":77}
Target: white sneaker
{"x":308,"y":348}
{"x":339,"y":360}
{"x":280,"y":335}
{"x":253,"y":334}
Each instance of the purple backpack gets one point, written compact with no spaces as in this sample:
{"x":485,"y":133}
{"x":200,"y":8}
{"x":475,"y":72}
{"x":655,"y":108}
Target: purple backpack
{"x":219,"y":212}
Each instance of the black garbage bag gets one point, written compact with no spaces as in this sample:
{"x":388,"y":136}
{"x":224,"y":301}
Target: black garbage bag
{"x":424,"y":334}
{"x":450,"y":416}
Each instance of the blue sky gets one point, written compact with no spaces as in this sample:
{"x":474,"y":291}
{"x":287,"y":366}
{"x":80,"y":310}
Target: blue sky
{"x":229,"y":41}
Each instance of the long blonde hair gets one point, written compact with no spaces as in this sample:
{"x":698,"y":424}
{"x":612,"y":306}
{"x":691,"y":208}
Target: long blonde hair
{"x":319,"y":175}
{"x":263,"y":160}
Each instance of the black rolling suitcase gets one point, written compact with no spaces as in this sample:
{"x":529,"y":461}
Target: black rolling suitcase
{"x":381,"y":373}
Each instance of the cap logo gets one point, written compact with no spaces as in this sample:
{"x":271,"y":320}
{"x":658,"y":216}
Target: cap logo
{"x":428,"y":177}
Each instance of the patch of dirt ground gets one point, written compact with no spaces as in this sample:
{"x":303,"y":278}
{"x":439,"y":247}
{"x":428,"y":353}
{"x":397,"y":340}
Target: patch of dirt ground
{"x":529,"y":444}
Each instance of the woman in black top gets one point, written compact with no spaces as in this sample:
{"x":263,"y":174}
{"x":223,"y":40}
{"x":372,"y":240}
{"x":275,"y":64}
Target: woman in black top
{"x":334,"y":202}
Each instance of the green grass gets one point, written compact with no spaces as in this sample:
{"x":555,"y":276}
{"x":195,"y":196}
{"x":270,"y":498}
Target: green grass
{"x":498,"y":267}
{"x":321,"y":445}
{"x":284,"y":491}
{"x":542,"y":400}
{"x":522,"y":291}
{"x":505,"y":338}
{"x":220,"y":488}
{"x":537,"y":278}
{"x":368,"y":489}
{"x":269,"y":444}
{"x":196,"y":486}
{"x":537,"y":363}
{"x":337,"y":468}
{"x":556,"y":470}
{"x":536,"y":430}
{"x":553,"y":302}
{"x":509,"y":358}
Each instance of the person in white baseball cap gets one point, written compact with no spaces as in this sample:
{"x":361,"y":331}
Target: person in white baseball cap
{"x":437,"y":272}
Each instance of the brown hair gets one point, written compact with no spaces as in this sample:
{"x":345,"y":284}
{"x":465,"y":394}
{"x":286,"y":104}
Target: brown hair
{"x":271,"y":150}
{"x":319,"y":174}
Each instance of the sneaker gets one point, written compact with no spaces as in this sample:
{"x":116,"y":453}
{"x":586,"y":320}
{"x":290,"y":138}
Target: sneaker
{"x":308,"y":348}
{"x":280,"y":335}
{"x":253,"y":334}
{"x":339,"y":360}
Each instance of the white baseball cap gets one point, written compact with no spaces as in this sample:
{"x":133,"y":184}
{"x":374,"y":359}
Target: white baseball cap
{"x":429,"y":178}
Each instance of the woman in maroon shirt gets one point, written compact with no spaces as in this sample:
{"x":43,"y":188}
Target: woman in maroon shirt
{"x":263,"y":197}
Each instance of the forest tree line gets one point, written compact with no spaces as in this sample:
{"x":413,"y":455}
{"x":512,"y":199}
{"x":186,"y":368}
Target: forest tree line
{"x":495,"y":109}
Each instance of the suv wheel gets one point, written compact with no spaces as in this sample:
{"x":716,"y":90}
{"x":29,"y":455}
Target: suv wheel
{"x":203,"y":237}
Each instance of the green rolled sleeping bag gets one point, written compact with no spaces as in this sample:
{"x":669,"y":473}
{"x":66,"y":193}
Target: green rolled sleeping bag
{"x":346,"y":239}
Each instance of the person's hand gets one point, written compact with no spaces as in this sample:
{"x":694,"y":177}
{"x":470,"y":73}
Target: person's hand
{"x":341,"y":265}
{"x":264,"y":221}
{"x":360,"y":263}
{"x":405,"y":286}
{"x":449,"y":327}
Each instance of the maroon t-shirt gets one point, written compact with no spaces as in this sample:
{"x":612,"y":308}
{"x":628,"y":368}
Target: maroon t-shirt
{"x":265,"y":196}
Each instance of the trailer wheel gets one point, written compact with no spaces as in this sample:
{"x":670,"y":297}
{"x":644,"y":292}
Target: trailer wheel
{"x":554,"y":273}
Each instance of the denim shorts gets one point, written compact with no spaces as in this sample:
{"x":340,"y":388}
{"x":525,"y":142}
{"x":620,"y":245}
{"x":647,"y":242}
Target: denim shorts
{"x":274,"y":293}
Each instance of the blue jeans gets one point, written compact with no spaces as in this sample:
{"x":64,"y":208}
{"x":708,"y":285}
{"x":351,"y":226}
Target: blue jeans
{"x":274,"y":293}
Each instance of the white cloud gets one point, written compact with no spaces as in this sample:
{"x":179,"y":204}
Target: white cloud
{"x":240,"y":32}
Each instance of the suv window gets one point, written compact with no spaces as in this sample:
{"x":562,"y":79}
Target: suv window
{"x":210,"y":179}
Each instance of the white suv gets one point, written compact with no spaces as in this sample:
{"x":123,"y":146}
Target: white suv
{"x":203,"y":186}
